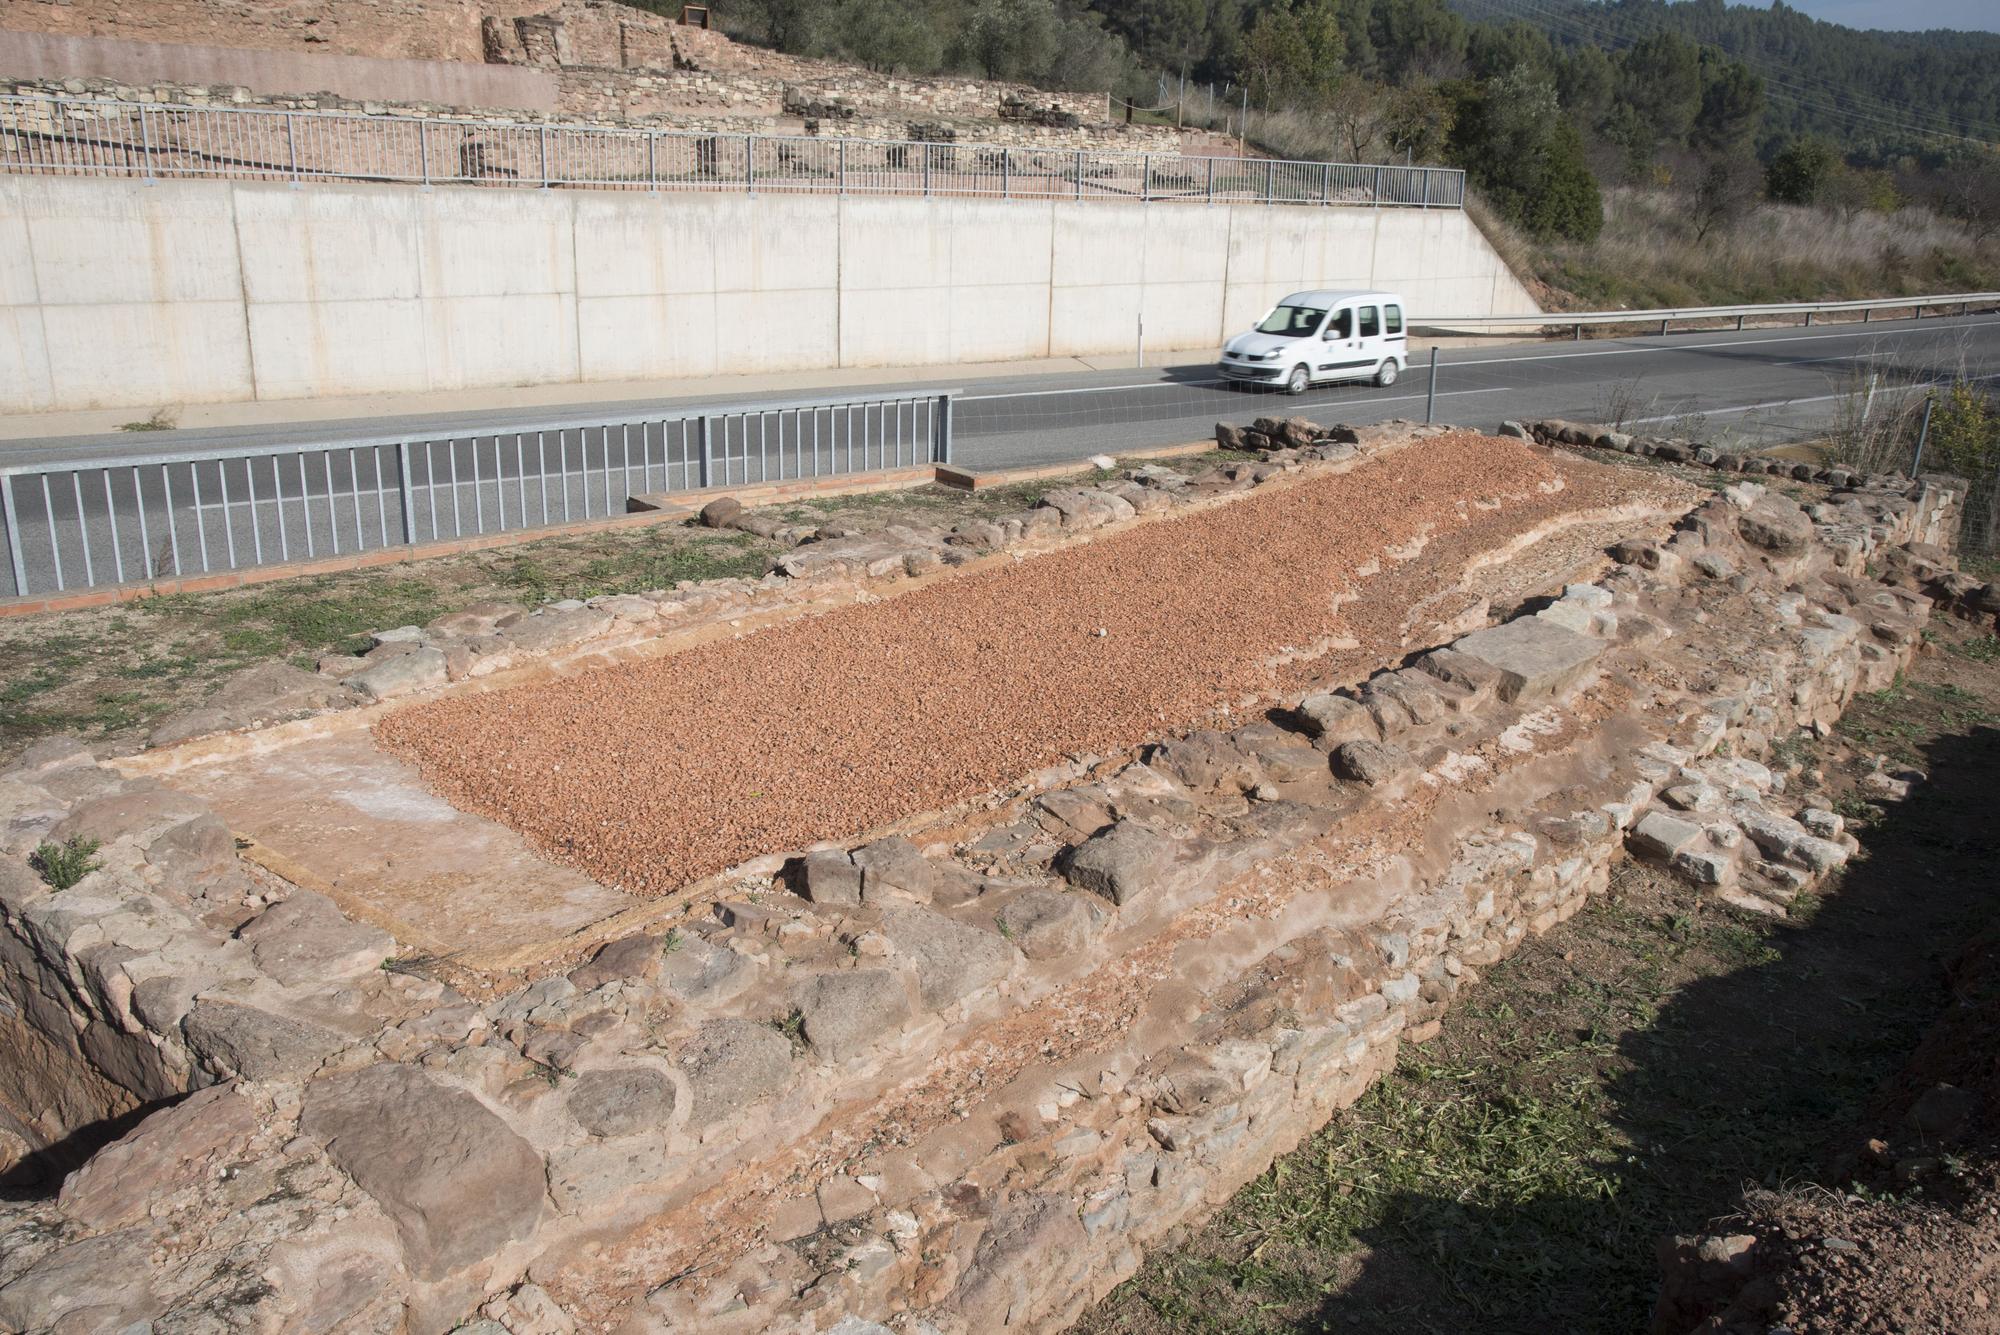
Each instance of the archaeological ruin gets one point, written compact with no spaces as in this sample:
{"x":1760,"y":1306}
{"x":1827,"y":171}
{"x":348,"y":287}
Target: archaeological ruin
{"x":916,"y":936}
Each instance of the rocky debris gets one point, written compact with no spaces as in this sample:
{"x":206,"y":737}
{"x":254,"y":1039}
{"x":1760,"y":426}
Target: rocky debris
{"x":421,"y":669}
{"x":458,"y":1183}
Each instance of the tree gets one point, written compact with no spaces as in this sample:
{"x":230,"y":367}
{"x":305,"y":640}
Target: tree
{"x":1491,"y":52}
{"x":1659,"y":78}
{"x":1011,"y":39}
{"x":887,"y":35}
{"x":1732,"y":105}
{"x":1525,"y":155}
{"x":1586,"y":82}
{"x":1417,"y":37}
{"x":1276,"y":57}
{"x":1725,"y":190}
{"x":1418,"y":121}
{"x":1800,"y":171}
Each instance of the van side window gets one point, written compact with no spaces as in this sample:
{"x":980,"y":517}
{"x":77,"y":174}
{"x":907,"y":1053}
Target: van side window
{"x":1395,"y":319}
{"x":1341,"y":325}
{"x":1370,"y":326}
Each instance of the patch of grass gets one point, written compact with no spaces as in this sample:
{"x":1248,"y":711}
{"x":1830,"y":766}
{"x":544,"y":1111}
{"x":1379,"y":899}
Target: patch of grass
{"x":162,"y":419}
{"x":63,"y":865}
{"x":1983,"y":649}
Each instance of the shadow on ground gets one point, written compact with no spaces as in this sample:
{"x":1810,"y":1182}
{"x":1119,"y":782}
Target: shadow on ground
{"x":1745,"y":1078}
{"x":1626,"y":1077}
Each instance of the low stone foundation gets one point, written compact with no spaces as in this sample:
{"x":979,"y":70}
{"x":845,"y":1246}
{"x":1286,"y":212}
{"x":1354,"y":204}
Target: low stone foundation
{"x":956,"y":1078}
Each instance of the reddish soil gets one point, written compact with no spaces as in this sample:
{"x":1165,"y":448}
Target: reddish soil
{"x":651,"y":774}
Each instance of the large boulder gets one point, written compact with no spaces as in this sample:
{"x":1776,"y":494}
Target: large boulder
{"x":456,"y":1180}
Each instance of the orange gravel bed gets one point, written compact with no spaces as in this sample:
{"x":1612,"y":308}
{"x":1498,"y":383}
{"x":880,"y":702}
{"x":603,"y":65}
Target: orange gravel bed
{"x":652,"y":774}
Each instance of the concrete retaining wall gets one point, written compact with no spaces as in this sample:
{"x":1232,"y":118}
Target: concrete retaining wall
{"x":35,"y":55}
{"x":118,"y":293}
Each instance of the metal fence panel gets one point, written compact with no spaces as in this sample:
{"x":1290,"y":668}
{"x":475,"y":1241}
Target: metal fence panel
{"x":137,"y":519}
{"x":91,"y":137}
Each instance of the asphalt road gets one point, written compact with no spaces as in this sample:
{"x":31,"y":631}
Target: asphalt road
{"x":1754,"y":385}
{"x":473,"y":472}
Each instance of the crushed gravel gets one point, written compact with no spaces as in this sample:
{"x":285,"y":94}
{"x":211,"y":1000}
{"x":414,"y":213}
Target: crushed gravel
{"x":651,"y":774}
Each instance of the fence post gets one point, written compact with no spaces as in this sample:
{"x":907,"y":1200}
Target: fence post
{"x":1325,"y":183}
{"x":653,"y":161}
{"x":1378,"y":187}
{"x":1145,"y":178}
{"x":146,"y":145}
{"x":1006,"y":172}
{"x":1079,"y":174}
{"x":14,"y":536}
{"x":1431,"y":394}
{"x":1866,"y":311}
{"x":1809,"y":316}
{"x":1208,"y":189}
{"x":927,"y":167}
{"x":841,"y":169}
{"x":1663,"y":329}
{"x":409,"y":492}
{"x":1270,"y":182}
{"x":1916,"y":464}
{"x":941,"y":447}
{"x":292,"y":145}
{"x":706,"y":451}
{"x":424,"y":149}
{"x":1427,"y":187}
{"x":750,"y":163}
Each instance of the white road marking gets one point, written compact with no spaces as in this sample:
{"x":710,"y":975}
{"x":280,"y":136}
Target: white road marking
{"x":1878,"y":331}
{"x":1695,"y":410}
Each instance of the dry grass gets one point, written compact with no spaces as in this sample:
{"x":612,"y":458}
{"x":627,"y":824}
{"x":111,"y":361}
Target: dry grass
{"x":1648,"y":255}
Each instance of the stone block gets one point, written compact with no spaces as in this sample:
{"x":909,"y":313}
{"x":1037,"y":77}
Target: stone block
{"x":418,"y":670}
{"x":1122,"y":863}
{"x":457,"y":1181}
{"x":621,"y":1102}
{"x":1370,"y":762}
{"x":952,"y":960}
{"x":846,"y":1011}
{"x":1535,"y":659}
{"x":1662,"y":837}
{"x":731,"y":1064}
{"x":1048,"y":924}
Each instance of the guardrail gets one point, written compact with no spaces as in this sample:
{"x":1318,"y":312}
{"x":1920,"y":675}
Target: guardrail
{"x":137,"y":518}
{"x":1807,"y":310}
{"x":151,"y":141}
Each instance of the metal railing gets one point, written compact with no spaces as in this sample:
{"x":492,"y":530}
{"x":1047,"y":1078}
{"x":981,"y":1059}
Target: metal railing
{"x":89,"y":137}
{"x":1807,"y":311}
{"x":137,"y":518}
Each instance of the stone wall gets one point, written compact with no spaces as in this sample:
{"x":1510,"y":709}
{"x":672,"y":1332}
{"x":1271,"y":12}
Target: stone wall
{"x":967,"y":1076}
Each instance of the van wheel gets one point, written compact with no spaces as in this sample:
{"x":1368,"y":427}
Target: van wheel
{"x":1299,"y":380}
{"x":1385,"y":375}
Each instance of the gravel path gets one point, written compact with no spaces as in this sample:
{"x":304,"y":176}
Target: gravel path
{"x":651,"y":774}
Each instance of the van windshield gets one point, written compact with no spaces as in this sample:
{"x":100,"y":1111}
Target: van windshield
{"x":1292,"y":321}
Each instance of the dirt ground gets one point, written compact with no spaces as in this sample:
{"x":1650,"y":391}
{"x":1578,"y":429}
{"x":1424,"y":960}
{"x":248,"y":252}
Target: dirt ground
{"x":1633,"y":1073}
{"x":652,"y":774}
{"x":108,"y":674}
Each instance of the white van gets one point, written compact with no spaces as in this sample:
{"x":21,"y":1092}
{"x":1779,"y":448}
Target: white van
{"x":1317,"y":336}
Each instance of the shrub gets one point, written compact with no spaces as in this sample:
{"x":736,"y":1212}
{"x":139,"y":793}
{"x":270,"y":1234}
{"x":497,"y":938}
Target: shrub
{"x":63,"y":865}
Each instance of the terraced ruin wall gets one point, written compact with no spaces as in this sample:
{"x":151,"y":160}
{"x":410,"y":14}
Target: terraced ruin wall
{"x":960,"y":1078}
